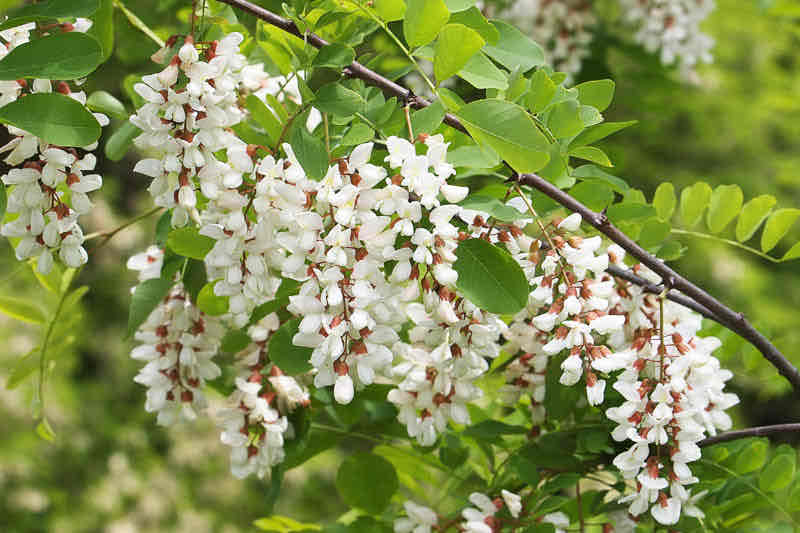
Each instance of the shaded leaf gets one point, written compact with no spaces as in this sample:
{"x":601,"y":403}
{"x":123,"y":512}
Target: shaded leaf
{"x":283,"y":352}
{"x":56,"y":118}
{"x":366,"y":481}
{"x":490,"y":278}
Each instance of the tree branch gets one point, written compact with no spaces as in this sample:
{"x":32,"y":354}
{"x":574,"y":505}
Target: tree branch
{"x":759,"y":431}
{"x":721,"y":313}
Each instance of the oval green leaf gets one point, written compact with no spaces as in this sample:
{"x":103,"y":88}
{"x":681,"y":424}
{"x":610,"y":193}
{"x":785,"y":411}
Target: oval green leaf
{"x":423,"y":21}
{"x":509,"y":130}
{"x":490,"y":278}
{"x":367,"y":481}
{"x":290,"y":359}
{"x":591,"y":153}
{"x":665,"y":200}
{"x":456,"y":45}
{"x":726,"y":202}
{"x":596,"y":93}
{"x":189,"y":243}
{"x":63,"y":56}
{"x":50,"y":10}
{"x":22,"y":310}
{"x":777,"y":226}
{"x":146,"y":297}
{"x":694,"y":200}
{"x":753,"y":214}
{"x":210,"y":303}
{"x":514,"y":49}
{"x":780,"y":470}
{"x":55,"y":118}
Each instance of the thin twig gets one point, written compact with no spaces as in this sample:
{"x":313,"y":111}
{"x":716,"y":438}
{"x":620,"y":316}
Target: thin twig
{"x":107,"y":235}
{"x":726,"y":316}
{"x":759,"y":431}
{"x":137,"y":23}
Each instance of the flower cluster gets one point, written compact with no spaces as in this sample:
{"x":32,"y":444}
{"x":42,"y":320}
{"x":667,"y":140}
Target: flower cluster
{"x":49,"y":183}
{"x":672,"y":28}
{"x":478,"y":519}
{"x":563,"y":27}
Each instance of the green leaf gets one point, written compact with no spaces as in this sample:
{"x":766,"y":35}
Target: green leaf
{"x":591,"y":153}
{"x":753,"y":214}
{"x":23,"y":368}
{"x":456,"y":44}
{"x":189,"y":243}
{"x":105,"y":102}
{"x":564,"y":119}
{"x":792,"y":253}
{"x":509,"y":130}
{"x":665,"y":200}
{"x":593,"y":134}
{"x":293,"y":360}
{"x":103,"y":27}
{"x":694,"y":200}
{"x":282,"y":524}
{"x":653,"y":233}
{"x":147,"y":295}
{"x":334,"y":55}
{"x":56,"y":118}
{"x":357,"y":134}
{"x":3,"y":202}
{"x":50,"y":10}
{"x":671,"y":250}
{"x":366,"y":481}
{"x":481,"y":73}
{"x":752,"y":456}
{"x":597,"y":93}
{"x":22,"y":310}
{"x":427,"y":119}
{"x":542,"y":91}
{"x":493,"y":206}
{"x":310,"y":152}
{"x":473,"y":18}
{"x":390,"y":10}
{"x":777,"y":226}
{"x":780,"y":470}
{"x":491,"y":429}
{"x":473,"y":156}
{"x":209,"y":303}
{"x":459,"y":5}
{"x":337,"y":99}
{"x":630,"y":211}
{"x":595,"y":195}
{"x":593,"y":172}
{"x":514,"y":49}
{"x":451,"y":99}
{"x":235,"y":341}
{"x":63,"y":56}
{"x":726,"y":201}
{"x":490,"y":278}
{"x":265,"y":118}
{"x":121,"y":141}
{"x":423,"y":20}
{"x":45,"y":431}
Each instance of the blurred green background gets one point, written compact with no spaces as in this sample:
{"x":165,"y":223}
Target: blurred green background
{"x":111,"y":469}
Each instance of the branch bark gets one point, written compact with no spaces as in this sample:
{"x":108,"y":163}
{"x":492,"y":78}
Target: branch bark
{"x":759,"y":431}
{"x":716,"y":310}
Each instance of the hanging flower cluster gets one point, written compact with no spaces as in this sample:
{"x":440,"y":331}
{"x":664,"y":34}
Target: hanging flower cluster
{"x":50,"y":183}
{"x":372,"y":248}
{"x":563,"y":27}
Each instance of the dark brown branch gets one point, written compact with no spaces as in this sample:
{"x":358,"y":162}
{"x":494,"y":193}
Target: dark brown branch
{"x":760,"y":431}
{"x":721,"y":313}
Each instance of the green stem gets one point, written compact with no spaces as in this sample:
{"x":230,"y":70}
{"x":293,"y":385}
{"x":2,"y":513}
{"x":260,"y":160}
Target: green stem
{"x":137,"y":23}
{"x":46,"y":342}
{"x":725,"y":241}
{"x":107,"y":235}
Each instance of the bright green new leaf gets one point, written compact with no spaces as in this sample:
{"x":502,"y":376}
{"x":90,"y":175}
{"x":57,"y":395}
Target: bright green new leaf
{"x":665,"y":200}
{"x":594,"y":133}
{"x":337,"y":99}
{"x":630,"y":211}
{"x":367,"y":481}
{"x":726,"y":201}
{"x":55,"y":118}
{"x":282,"y":524}
{"x":780,"y":471}
{"x":694,"y":200}
{"x":654,"y":232}
{"x":334,"y":55}
{"x":591,"y":153}
{"x":490,"y":278}
{"x":147,"y":295}
{"x":595,"y":195}
{"x":22,"y":310}
{"x":542,"y":91}
{"x":291,"y":359}
{"x":514,"y":49}
{"x":189,"y":243}
{"x":45,"y":431}
{"x":509,"y":130}
{"x":593,"y":172}
{"x":265,"y":118}
{"x":459,"y":5}
{"x":451,"y":99}
{"x":494,"y":207}
{"x":792,"y":253}
{"x":209,"y":303}
{"x":481,"y":73}
{"x":752,"y":456}
{"x":597,"y":93}
{"x":357,"y":134}
{"x":564,"y":119}
{"x":423,"y":21}
{"x":390,"y":10}
{"x":50,"y":10}
{"x":753,"y":214}
{"x":456,"y":44}
{"x":427,"y":119}
{"x":103,"y":27}
{"x":310,"y":152}
{"x":23,"y":368}
{"x":474,"y":19}
{"x":63,"y":56}
{"x":105,"y":102}
{"x":3,"y":202}
{"x":671,"y":250}
{"x":777,"y":226}
{"x":121,"y":140}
